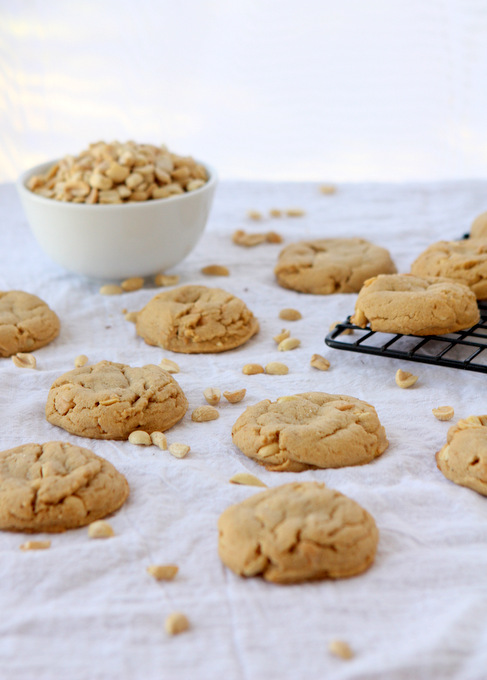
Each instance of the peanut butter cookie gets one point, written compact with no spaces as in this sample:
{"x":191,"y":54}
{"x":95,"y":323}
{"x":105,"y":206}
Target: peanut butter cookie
{"x":109,"y":401}
{"x":331,"y":265}
{"x":26,"y":323}
{"x":463,"y":459}
{"x":196,"y":319}
{"x":310,"y":430}
{"x":463,"y":261}
{"x":297,"y":532}
{"x":56,"y":486}
{"x":415,"y":305}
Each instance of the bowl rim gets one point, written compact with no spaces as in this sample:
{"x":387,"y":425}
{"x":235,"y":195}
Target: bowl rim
{"x":23,"y":190}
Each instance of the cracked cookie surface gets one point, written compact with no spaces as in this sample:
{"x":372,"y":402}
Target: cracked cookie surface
{"x":310,"y":430}
{"x":464,"y":261}
{"x":297,"y":532}
{"x":463,"y":459}
{"x":334,"y":265}
{"x":109,"y":400}
{"x":56,"y":486}
{"x":196,"y":319}
{"x":26,"y":323}
{"x":414,"y":305}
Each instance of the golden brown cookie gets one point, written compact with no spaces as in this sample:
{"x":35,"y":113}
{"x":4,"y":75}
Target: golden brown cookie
{"x":463,"y":261}
{"x":196,"y":319}
{"x":414,"y":305}
{"x":26,"y":323}
{"x":463,"y":459}
{"x":479,"y":226}
{"x":331,"y":265}
{"x":297,"y":532}
{"x":109,"y":401}
{"x":310,"y":430}
{"x":56,"y":486}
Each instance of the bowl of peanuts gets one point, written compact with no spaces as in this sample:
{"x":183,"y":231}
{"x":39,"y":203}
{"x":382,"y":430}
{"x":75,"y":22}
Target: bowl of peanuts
{"x":118,"y":210}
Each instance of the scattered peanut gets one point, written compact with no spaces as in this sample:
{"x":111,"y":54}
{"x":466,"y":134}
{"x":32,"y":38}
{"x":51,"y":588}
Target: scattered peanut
{"x":159,"y":439}
{"x":35,"y":545}
{"x":328,"y":189}
{"x":134,"y":283}
{"x":242,"y":238}
{"x":444,"y":412}
{"x":254,"y":215}
{"x":131,"y":316}
{"x":169,"y":365}
{"x":235,"y":397}
{"x":140,"y":438}
{"x":81,"y":360}
{"x":290,"y":314}
{"x":212,"y":395}
{"x":179,"y":450}
{"x":163,"y":572}
{"x":166,"y":280}
{"x":273,"y":237}
{"x":111,"y":289}
{"x":295,"y":212}
{"x":119,"y":173}
{"x":282,"y":335}
{"x":341,"y":649}
{"x":319,"y":362}
{"x":100,"y":529}
{"x":276,"y":368}
{"x":215,"y":270}
{"x":204,"y":413}
{"x":275,"y":212}
{"x":251,"y":369}
{"x":405,"y":379}
{"x":176,"y":623}
{"x":246,"y":479}
{"x":288,"y":344}
{"x":24,"y":360}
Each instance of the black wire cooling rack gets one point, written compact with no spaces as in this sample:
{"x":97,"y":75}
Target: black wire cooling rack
{"x":464,"y":349}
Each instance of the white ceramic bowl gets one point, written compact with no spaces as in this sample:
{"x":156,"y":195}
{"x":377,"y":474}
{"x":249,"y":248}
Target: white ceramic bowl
{"x":117,"y":241}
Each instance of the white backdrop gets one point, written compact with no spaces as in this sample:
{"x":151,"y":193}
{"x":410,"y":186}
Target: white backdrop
{"x":264,"y":89}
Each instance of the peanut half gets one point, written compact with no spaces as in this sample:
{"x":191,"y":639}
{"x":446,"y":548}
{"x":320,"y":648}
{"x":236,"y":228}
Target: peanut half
{"x":288,"y":344}
{"x":140,"y":438}
{"x":169,"y":365}
{"x":132,"y":284}
{"x":81,"y":360}
{"x":404,"y":379}
{"x":215,"y":270}
{"x":212,"y":395}
{"x":252,"y":369}
{"x":204,"y":413}
{"x":24,"y":360}
{"x":111,"y":289}
{"x":443,"y":412}
{"x":179,"y":450}
{"x":35,"y":545}
{"x":163,"y":572}
{"x":246,"y":479}
{"x":100,"y":529}
{"x":290,"y":315}
{"x":176,"y":623}
{"x":236,"y":396}
{"x":159,"y":439}
{"x":319,"y":362}
{"x":341,"y":649}
{"x":166,"y":280}
{"x":276,"y":368}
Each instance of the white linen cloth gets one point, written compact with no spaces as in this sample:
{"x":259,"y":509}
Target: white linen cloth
{"x":87,"y":610}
